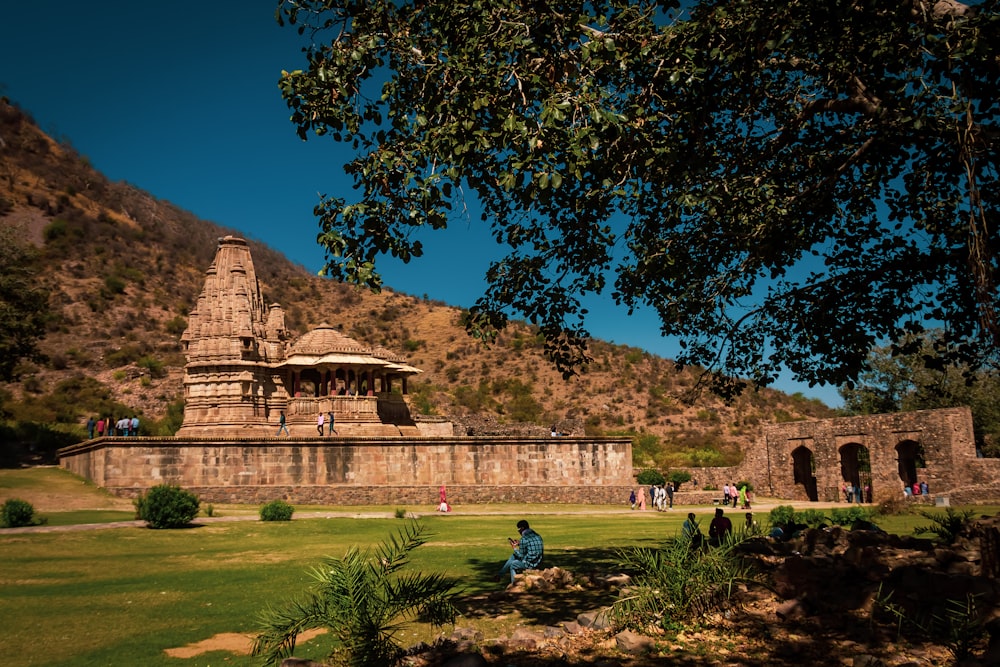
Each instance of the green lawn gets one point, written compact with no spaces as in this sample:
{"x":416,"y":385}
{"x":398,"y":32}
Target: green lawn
{"x":125,"y":595}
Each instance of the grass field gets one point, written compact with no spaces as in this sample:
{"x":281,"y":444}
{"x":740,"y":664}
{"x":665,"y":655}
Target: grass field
{"x":128,"y":595}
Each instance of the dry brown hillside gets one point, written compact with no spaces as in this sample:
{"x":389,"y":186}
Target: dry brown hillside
{"x":123,"y":268}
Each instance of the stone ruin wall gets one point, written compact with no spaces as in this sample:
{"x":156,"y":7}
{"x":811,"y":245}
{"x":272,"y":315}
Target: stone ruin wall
{"x":945,"y":435}
{"x":355,"y":471}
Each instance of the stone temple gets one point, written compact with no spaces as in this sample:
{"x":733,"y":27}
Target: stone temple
{"x":243,"y":369}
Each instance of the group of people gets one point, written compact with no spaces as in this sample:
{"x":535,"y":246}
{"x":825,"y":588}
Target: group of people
{"x":329,"y":422}
{"x":323,"y":421}
{"x":853,"y":493}
{"x":719,"y":529}
{"x":661,"y":497}
{"x":125,"y":426}
{"x":736,"y":496}
{"x":918,"y":489}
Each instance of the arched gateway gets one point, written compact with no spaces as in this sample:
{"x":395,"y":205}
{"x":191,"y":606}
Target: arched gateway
{"x":876,"y":454}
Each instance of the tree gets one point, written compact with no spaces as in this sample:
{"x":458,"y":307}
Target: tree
{"x":915,"y":377}
{"x":363,"y":600}
{"x":786,"y":183}
{"x":24,"y":304}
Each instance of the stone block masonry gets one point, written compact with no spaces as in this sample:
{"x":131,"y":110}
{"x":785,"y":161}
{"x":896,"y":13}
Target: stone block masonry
{"x":358,"y":471}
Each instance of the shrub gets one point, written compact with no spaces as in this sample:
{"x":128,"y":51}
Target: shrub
{"x":678,"y":584}
{"x":782,"y":515}
{"x":679,"y":477}
{"x":650,"y":476}
{"x":811,"y":517}
{"x":847,"y":516}
{"x":276,"y":510}
{"x":364,"y":600}
{"x":16,"y":513}
{"x":948,"y":526}
{"x":166,"y":506}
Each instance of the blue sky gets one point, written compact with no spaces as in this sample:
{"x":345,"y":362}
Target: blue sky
{"x":181,"y":100}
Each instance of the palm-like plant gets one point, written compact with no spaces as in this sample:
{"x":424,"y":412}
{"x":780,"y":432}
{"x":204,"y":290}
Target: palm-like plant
{"x":678,"y":583}
{"x":363,"y":599}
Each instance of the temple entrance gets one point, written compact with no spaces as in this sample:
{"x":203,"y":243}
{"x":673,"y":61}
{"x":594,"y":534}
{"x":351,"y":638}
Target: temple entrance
{"x":804,"y":469}
{"x":856,"y":470}
{"x":909,"y":457}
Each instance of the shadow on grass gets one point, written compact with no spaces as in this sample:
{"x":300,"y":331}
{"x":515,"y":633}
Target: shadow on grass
{"x":740,"y":636}
{"x":487,"y":598}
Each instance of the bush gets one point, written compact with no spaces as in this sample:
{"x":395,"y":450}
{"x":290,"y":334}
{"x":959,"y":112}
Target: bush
{"x":782,"y":515}
{"x":166,"y":506}
{"x":847,"y":516}
{"x":16,"y":513}
{"x":650,"y":476}
{"x":679,"y":477}
{"x":276,"y":510}
{"x":812,"y":518}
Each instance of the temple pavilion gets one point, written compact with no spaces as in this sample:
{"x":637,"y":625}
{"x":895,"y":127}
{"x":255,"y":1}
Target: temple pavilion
{"x":244,"y":369}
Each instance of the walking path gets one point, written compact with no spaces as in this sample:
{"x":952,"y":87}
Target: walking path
{"x":759,"y":507}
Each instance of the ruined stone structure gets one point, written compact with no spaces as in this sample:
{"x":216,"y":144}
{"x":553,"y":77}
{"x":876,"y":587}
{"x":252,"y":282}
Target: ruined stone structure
{"x":811,"y":460}
{"x":244,"y":370}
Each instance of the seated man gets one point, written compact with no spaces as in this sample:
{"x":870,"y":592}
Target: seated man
{"x":719,"y":529}
{"x":527,"y":552}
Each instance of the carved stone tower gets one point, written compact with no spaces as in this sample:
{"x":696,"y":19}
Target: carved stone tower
{"x":233,"y":343}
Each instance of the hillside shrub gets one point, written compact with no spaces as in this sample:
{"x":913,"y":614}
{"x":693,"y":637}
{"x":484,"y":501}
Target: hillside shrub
{"x":16,"y":513}
{"x":166,"y":506}
{"x":650,"y":476}
{"x":276,"y":510}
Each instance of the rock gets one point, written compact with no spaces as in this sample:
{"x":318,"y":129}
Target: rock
{"x":465,"y":660}
{"x":633,"y":643}
{"x":790,"y":610}
{"x":595,"y":620}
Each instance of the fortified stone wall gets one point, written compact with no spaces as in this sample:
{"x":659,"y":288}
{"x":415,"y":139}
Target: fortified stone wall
{"x":362,"y":470}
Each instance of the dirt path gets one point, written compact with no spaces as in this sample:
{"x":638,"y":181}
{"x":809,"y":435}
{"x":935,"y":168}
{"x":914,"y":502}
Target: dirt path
{"x":761,"y":508}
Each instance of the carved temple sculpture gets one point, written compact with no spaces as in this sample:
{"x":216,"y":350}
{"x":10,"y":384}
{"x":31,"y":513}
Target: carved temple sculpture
{"x":243,"y":369}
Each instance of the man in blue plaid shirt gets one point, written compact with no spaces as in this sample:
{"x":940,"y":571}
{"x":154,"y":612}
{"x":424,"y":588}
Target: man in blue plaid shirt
{"x":527,"y":552}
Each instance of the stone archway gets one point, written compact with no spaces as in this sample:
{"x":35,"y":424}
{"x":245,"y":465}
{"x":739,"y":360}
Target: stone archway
{"x":909,"y":457}
{"x":856,"y":470}
{"x":804,"y":470}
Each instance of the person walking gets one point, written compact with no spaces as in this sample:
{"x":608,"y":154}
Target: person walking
{"x":281,"y":424}
{"x":329,"y":421}
{"x":319,"y":423}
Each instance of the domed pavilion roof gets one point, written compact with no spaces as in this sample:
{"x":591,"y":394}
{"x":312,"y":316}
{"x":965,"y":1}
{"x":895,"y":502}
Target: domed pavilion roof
{"x":324,"y":345}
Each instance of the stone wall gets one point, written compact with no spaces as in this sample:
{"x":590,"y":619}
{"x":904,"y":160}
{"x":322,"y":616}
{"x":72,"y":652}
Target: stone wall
{"x":944,"y":437}
{"x":363,"y":470}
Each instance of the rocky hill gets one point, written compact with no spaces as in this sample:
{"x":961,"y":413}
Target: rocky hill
{"x":124,"y":267}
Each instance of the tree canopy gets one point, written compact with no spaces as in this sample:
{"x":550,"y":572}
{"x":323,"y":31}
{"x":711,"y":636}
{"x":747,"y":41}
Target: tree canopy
{"x":919,"y":380}
{"x":786,"y":183}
